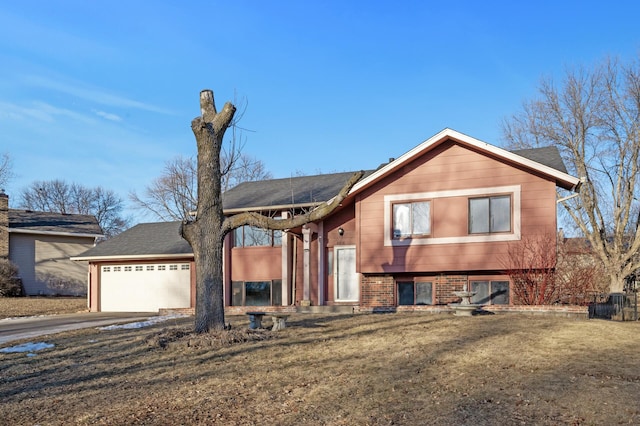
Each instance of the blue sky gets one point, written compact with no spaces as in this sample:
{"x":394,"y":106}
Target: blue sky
{"x":103,"y":93}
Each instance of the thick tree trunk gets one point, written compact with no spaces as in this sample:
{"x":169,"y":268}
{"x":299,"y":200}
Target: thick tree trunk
{"x":205,"y":234}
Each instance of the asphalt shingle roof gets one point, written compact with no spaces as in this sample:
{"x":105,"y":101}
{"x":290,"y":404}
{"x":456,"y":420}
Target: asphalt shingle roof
{"x":548,"y":156}
{"x":28,"y":220}
{"x":144,"y":239}
{"x":300,"y":190}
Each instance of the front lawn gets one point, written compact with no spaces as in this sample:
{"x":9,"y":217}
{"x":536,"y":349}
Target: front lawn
{"x":401,"y":369}
{"x":32,"y":306}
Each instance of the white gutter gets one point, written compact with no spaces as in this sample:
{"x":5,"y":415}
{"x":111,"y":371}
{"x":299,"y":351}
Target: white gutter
{"x":133,"y":257}
{"x":58,"y":233}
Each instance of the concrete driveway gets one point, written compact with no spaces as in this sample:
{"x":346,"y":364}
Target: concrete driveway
{"x":30,"y":327}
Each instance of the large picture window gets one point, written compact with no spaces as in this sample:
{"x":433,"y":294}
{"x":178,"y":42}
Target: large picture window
{"x":411,"y":219}
{"x":415,"y":293}
{"x":250,"y":236}
{"x":490,"y":214}
{"x":256,"y":293}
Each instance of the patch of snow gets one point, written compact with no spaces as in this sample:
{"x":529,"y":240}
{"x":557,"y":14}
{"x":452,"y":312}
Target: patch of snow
{"x":141,"y":324}
{"x":27,"y":347}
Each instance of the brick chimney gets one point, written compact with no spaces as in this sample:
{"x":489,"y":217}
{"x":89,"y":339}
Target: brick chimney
{"x":4,"y":225}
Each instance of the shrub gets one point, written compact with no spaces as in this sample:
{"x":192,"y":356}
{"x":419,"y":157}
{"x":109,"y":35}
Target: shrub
{"x":10,"y":284}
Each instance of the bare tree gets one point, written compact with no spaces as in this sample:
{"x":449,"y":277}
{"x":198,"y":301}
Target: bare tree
{"x":173,"y":195}
{"x":593,"y":117}
{"x":59,"y":196}
{"x":206,"y":233}
{"x":6,"y":170}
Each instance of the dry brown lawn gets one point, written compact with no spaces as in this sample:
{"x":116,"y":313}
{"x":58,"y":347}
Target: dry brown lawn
{"x":29,"y":306}
{"x":392,"y":369}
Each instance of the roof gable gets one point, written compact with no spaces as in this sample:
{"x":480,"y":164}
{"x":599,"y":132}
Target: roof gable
{"x":540,"y":160}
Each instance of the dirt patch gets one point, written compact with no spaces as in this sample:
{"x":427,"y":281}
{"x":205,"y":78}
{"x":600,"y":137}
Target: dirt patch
{"x":33,"y":306}
{"x":401,"y":369}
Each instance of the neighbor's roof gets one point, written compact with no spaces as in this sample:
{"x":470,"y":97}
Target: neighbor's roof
{"x":306,"y":191}
{"x":30,"y":222}
{"x":145,"y":240}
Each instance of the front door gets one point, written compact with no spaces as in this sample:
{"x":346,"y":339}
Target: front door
{"x":347,"y":286}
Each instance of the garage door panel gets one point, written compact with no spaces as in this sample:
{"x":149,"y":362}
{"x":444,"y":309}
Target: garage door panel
{"x":144,"y":288}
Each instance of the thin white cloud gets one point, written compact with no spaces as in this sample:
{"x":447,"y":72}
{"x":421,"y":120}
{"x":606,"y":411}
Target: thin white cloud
{"x":108,"y":116}
{"x":92,"y":94}
{"x":40,"y":111}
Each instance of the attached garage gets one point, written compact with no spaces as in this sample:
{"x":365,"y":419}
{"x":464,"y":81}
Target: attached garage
{"x":144,"y":287}
{"x":146,"y":268}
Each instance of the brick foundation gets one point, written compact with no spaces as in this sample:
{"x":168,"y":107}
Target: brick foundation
{"x":377,"y":292}
{"x":445,"y":285}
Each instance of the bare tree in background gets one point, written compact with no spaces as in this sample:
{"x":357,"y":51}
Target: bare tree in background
{"x":174,"y":194}
{"x":206,"y":233}
{"x":58,"y":196}
{"x":6,"y":170}
{"x":593,"y":117}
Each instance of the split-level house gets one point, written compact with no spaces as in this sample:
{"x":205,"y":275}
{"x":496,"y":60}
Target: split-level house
{"x":41,"y":245}
{"x":409,"y":234}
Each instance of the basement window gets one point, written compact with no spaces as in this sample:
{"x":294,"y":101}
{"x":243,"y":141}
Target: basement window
{"x":490,"y":292}
{"x":415,"y":293}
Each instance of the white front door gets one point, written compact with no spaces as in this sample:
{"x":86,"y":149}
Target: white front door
{"x":347,"y":285}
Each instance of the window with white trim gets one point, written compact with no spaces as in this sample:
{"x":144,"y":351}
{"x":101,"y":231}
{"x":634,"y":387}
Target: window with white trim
{"x":490,"y":214}
{"x":162,"y":267}
{"x":117,"y":268}
{"x":411,"y":219}
{"x":138,"y":268}
{"x":127,"y":268}
{"x":150,"y":267}
{"x":173,"y":267}
{"x":106,"y":269}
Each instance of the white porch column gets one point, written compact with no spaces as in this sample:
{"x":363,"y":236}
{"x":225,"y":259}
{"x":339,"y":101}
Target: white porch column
{"x":287,"y":263}
{"x":307,"y":233}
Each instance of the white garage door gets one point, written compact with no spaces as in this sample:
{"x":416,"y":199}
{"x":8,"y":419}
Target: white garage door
{"x":145,"y":287}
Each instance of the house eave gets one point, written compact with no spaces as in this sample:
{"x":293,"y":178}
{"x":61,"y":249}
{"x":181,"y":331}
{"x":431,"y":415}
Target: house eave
{"x":113,"y":258}
{"x":270,"y":208}
{"x":55,"y":233}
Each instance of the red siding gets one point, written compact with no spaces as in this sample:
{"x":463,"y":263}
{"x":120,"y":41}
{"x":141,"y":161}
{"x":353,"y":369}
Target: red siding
{"x":450,"y":167}
{"x":256,"y":263}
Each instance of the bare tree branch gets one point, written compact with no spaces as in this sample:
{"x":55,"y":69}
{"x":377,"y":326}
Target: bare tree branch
{"x":593,"y":117}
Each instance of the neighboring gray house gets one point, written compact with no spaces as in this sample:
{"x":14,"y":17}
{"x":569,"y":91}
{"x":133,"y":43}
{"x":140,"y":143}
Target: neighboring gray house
{"x":41,"y":245}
